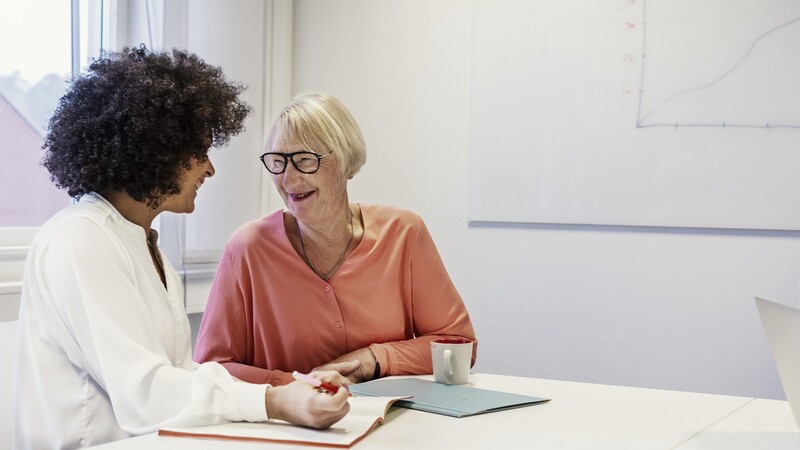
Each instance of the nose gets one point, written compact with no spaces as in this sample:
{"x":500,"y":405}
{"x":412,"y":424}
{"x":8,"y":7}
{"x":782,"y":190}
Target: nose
{"x":210,"y":171}
{"x":290,"y":176}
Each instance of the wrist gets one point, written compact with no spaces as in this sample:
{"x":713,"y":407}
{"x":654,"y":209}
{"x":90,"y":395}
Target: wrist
{"x":377,"y":373}
{"x":271,"y":404}
{"x":267,"y":399}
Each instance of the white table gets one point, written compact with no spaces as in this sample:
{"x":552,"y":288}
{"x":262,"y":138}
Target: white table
{"x":760,"y":424}
{"x":579,"y":416}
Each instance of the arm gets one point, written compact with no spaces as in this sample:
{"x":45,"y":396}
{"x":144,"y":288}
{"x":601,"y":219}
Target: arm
{"x":226,"y":331}
{"x":438,"y":311}
{"x":358,"y":366}
{"x":123,"y":336}
{"x":432,"y":303}
{"x":115,"y":321}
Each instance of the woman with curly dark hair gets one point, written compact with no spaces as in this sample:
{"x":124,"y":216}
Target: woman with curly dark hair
{"x":104,"y":344}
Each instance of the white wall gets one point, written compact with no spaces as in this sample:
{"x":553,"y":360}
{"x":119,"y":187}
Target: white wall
{"x":655,"y":307}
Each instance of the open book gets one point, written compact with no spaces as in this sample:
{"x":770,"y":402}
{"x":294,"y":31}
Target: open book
{"x":365,"y":414}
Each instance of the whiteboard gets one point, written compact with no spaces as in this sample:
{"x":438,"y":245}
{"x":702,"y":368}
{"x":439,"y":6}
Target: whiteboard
{"x":649,"y":113}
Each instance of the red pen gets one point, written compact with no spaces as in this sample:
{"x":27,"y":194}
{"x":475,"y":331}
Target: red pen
{"x":316,"y":382}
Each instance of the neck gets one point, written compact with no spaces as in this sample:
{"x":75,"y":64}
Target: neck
{"x":332,"y":232}
{"x":134,"y":211}
{"x":139,"y":213}
{"x":328,"y":251}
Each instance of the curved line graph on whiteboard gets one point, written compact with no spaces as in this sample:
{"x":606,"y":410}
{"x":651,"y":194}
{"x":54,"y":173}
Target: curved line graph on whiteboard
{"x":757,"y":87}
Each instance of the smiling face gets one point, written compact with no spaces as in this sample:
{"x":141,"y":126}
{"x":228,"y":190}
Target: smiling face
{"x":315,"y":198}
{"x":191,"y":180}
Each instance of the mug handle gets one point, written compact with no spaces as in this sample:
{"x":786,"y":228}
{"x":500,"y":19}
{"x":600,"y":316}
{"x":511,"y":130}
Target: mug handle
{"x":448,"y":361}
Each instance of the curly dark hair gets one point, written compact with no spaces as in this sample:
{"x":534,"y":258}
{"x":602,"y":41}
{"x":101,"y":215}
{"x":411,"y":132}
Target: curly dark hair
{"x":133,"y":122}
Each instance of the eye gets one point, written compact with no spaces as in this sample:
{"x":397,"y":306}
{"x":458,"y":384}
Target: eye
{"x":275,"y":161}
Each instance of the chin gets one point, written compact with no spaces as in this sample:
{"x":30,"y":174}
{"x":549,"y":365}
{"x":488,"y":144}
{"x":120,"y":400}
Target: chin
{"x":182,"y":209}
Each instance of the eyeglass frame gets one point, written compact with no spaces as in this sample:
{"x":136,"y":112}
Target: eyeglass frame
{"x":289,"y":157}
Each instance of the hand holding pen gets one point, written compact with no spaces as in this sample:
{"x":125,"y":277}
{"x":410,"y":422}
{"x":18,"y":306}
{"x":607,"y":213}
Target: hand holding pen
{"x":317,"y":383}
{"x":301,"y":404}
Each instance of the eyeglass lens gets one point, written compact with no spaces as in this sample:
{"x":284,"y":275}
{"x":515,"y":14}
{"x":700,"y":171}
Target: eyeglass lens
{"x":306,"y":162}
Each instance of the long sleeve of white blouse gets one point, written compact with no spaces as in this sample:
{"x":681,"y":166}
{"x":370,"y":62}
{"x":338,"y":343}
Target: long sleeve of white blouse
{"x":93,"y":294}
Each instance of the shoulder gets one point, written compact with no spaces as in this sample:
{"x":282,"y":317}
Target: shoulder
{"x":391,"y":215}
{"x":83,"y":233}
{"x":76,"y":223}
{"x":392,"y":224}
{"x":263,"y":231}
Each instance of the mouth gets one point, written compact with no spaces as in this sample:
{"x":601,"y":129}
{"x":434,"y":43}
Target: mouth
{"x":197,"y":185}
{"x":299,"y":197}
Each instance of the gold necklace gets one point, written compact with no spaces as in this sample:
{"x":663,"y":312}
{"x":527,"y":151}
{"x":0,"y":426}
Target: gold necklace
{"x":339,"y":261}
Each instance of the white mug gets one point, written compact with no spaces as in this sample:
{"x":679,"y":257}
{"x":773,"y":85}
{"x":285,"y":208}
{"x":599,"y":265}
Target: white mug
{"x":451,"y":360}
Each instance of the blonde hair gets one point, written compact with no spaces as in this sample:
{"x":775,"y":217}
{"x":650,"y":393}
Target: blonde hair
{"x":320,"y":120}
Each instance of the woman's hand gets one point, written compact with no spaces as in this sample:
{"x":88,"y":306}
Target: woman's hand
{"x":357,"y":366}
{"x":302,"y":404}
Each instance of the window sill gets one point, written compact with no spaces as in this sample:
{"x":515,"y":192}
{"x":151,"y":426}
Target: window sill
{"x":197,"y":279}
{"x":10,"y":293}
{"x":12,"y":264}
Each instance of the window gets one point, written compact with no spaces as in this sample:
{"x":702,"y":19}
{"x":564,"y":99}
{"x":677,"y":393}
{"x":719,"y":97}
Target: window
{"x":192,"y":243}
{"x":33,"y":75}
{"x":44,"y":42}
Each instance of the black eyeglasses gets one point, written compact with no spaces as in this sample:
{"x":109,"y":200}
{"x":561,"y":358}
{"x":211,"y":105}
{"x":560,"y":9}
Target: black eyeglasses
{"x":305,"y":161}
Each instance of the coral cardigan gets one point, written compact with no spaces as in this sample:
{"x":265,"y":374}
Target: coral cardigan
{"x":269,"y":314}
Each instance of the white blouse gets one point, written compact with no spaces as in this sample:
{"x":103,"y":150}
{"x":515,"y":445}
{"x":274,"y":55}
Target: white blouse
{"x":104,"y":350}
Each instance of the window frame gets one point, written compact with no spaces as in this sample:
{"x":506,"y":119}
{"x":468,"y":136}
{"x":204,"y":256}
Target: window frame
{"x":168,"y":24}
{"x":15,"y":242}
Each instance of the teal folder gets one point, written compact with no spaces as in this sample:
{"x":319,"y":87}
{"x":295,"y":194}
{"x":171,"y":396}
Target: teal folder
{"x":450,"y":400}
